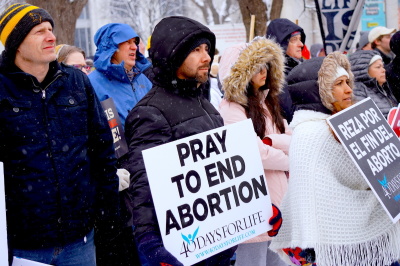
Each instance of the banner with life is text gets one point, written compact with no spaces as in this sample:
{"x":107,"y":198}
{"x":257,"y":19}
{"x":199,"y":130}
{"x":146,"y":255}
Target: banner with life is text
{"x":338,"y":21}
{"x":374,"y":148}
{"x":209,"y":191}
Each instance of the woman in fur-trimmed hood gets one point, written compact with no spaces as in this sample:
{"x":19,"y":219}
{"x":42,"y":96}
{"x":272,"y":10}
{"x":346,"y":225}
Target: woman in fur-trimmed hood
{"x":258,"y":53}
{"x":252,"y":76}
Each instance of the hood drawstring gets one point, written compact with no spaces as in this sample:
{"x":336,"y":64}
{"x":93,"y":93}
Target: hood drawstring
{"x":131,"y":73}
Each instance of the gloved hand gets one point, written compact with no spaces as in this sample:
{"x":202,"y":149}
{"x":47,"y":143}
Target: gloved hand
{"x":267,"y":141}
{"x":124,"y":179}
{"x":275,"y":221}
{"x":151,"y":246}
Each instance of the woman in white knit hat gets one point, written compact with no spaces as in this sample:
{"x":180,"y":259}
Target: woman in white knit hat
{"x":330,"y":215}
{"x":370,"y":80}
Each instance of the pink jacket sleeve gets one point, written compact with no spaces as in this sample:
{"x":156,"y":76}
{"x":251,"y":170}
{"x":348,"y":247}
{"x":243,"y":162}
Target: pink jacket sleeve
{"x":273,"y":157}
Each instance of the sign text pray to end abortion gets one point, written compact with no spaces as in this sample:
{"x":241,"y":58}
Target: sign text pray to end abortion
{"x":209,"y":191}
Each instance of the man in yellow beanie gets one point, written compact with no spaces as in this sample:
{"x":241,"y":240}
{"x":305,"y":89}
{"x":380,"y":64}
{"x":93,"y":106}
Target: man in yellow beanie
{"x":56,"y":146}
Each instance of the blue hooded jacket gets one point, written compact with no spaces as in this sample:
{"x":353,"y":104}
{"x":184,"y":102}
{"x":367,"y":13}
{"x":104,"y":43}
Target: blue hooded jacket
{"x":110,"y":80}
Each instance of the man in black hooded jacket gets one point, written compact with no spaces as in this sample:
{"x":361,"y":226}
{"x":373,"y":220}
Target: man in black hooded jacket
{"x":181,"y":51}
{"x":292,"y":39}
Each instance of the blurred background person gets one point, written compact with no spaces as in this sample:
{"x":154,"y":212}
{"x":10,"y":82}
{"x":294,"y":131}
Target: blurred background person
{"x":89,"y":62}
{"x":379,"y":37}
{"x":363,"y":43}
{"x":215,"y":92}
{"x":72,"y":56}
{"x":370,"y":79}
{"x":317,"y":49}
{"x":291,"y":38}
{"x":119,"y":67}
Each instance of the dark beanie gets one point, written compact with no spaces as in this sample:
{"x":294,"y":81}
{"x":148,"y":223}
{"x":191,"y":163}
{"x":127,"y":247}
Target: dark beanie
{"x":187,"y":49}
{"x":17,"y":21}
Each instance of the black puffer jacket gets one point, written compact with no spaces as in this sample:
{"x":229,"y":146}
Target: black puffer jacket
{"x":172,"y":109}
{"x":302,"y":84}
{"x":58,"y":156}
{"x":393,"y":69}
{"x":366,"y":86}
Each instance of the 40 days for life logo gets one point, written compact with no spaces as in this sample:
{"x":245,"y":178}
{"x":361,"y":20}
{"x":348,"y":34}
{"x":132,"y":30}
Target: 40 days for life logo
{"x":225,"y":235}
{"x":391,"y":187}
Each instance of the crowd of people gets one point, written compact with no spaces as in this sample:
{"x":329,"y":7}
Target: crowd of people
{"x":72,"y":201}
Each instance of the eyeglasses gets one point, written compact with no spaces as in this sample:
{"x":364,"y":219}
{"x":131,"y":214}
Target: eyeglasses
{"x":82,"y":67}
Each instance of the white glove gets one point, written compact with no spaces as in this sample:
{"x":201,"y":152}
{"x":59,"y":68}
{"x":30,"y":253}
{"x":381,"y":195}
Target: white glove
{"x":124,"y":178}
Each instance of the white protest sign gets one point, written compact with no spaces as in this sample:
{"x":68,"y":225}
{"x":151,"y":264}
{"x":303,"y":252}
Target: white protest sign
{"x":209,"y":191}
{"x":3,"y":221}
{"x":374,"y":148}
{"x":24,"y":262}
{"x":228,"y":34}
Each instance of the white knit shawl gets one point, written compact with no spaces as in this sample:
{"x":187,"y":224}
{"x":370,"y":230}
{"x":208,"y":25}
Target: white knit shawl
{"x":329,"y":206}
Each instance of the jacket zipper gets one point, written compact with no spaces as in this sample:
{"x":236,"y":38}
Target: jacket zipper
{"x":44,"y":89}
{"x":60,"y":213}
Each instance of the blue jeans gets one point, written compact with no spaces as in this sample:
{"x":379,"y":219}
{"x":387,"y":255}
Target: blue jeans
{"x":79,"y":253}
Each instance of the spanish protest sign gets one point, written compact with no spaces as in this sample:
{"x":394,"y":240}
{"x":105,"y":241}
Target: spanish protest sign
{"x":120,"y":145}
{"x":374,"y":148}
{"x":209,"y":191}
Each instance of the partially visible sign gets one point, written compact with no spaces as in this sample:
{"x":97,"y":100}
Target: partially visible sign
{"x":120,"y":145}
{"x":394,"y":121}
{"x":3,"y":221}
{"x":209,"y":191}
{"x":373,"y":14}
{"x":374,"y":148}
{"x":339,"y":21}
{"x":25,"y":262}
{"x":228,"y":34}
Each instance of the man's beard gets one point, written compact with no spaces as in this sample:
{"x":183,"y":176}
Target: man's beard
{"x":201,"y":78}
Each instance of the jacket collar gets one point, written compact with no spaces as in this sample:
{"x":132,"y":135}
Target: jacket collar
{"x":186,"y":87}
{"x":20,"y":76}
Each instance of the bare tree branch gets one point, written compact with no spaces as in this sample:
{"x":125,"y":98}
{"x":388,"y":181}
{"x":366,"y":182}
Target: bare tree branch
{"x":276,"y":9}
{"x":203,"y":9}
{"x":214,"y":13}
{"x":257,"y":8}
{"x":65,"y":14}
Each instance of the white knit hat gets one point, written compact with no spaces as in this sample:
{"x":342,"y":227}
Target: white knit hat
{"x":334,"y":65}
{"x":374,"y":58}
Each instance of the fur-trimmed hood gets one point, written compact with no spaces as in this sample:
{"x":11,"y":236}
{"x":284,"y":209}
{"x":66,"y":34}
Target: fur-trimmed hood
{"x":248,"y":61}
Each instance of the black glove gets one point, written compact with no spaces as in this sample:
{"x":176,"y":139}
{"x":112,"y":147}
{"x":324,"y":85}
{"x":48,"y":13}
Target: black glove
{"x":151,"y":246}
